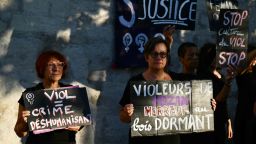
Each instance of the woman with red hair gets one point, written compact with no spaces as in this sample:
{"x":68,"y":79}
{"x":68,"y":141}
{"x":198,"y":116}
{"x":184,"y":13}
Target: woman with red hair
{"x":50,"y":67}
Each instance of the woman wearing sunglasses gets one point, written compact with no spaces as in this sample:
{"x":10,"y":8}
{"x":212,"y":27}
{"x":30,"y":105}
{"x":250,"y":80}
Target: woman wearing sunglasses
{"x":156,"y":55}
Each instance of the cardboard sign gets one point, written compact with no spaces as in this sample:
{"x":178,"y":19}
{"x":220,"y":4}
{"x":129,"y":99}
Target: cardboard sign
{"x":171,"y":107}
{"x":213,"y":9}
{"x":137,"y":21}
{"x":58,"y":108}
{"x":232,"y":38}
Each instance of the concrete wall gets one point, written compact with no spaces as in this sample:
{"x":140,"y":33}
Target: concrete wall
{"x":85,"y":28}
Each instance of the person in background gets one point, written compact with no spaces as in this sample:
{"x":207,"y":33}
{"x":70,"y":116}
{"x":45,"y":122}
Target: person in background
{"x":188,"y":56}
{"x":221,"y":89}
{"x":50,"y":67}
{"x":244,"y":132}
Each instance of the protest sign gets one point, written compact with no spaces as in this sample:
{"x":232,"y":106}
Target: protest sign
{"x":58,"y":108}
{"x":232,"y":38}
{"x":171,"y":107}
{"x":213,"y":10}
{"x":137,"y":21}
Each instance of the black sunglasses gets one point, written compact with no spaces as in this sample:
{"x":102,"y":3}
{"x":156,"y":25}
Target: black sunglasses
{"x":156,"y":54}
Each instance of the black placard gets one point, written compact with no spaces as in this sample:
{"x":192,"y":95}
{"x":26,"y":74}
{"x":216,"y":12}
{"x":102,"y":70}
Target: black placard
{"x":214,"y":6}
{"x":138,"y":20}
{"x":58,"y":108}
{"x":171,"y":107}
{"x":232,"y":38}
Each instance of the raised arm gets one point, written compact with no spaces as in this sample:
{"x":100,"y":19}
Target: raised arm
{"x":224,"y":93}
{"x":168,"y":32}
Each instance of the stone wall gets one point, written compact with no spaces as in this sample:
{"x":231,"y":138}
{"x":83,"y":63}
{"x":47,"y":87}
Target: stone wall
{"x":85,"y":30}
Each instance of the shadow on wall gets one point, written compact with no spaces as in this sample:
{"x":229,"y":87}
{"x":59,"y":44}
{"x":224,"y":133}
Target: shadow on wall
{"x":26,"y":27}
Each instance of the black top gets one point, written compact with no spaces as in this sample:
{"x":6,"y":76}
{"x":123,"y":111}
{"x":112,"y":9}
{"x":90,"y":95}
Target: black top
{"x":126,"y":95}
{"x":244,"y":111}
{"x":221,"y":112}
{"x":148,"y":139}
{"x":61,"y":136}
{"x":183,"y":77}
{"x":246,"y":94}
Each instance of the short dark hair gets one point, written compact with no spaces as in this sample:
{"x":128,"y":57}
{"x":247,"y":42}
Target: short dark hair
{"x":152,"y":42}
{"x":43,"y":59}
{"x":183,"y":48}
{"x":150,"y":46}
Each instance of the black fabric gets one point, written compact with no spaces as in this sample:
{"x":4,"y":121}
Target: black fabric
{"x":221,"y":113}
{"x":61,"y":136}
{"x":149,"y":139}
{"x":182,"y":76}
{"x":126,"y":95}
{"x":244,"y":111}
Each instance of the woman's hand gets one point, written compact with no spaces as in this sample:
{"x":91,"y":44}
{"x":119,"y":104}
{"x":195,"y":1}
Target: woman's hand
{"x":128,"y":108}
{"x":126,"y":112}
{"x":21,"y":126}
{"x":25,"y":115}
{"x":168,"y":32}
{"x":229,"y":129}
{"x":73,"y":128}
{"x":252,"y":63}
{"x":213,"y":104}
{"x":231,"y":73}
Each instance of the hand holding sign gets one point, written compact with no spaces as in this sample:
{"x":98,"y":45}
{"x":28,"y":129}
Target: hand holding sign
{"x":25,"y":115}
{"x":73,"y":128}
{"x":213,"y":104}
{"x":129,"y":109}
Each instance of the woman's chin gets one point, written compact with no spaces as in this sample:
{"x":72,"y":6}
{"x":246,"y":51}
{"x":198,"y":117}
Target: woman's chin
{"x":55,"y":78}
